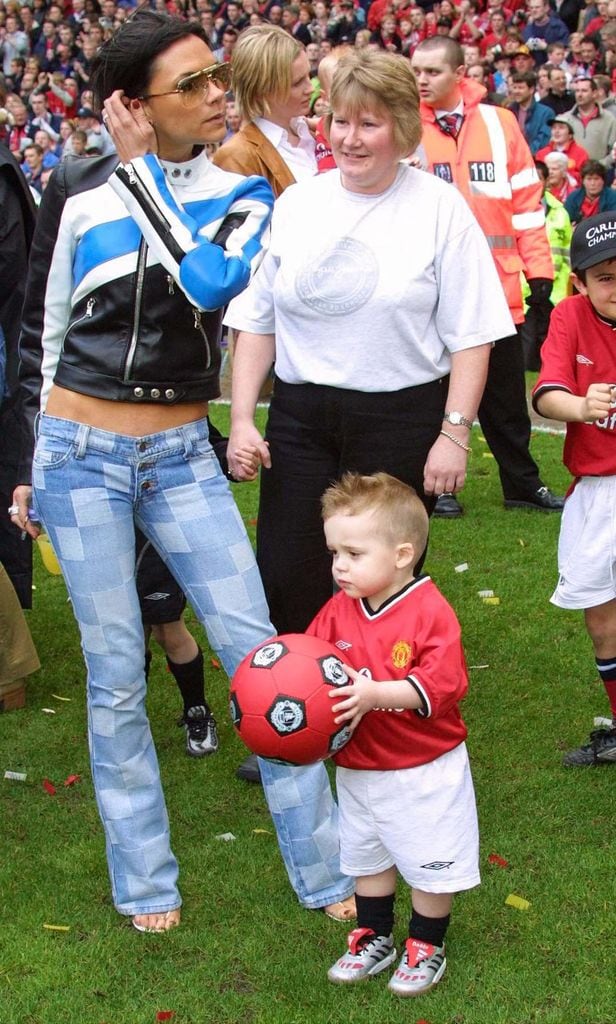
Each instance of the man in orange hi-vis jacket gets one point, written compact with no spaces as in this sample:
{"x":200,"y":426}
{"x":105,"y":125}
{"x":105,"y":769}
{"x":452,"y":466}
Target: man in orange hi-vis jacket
{"x":481,"y":150}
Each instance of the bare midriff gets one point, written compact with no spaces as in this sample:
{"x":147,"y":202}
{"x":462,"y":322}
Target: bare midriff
{"x":121,"y":417}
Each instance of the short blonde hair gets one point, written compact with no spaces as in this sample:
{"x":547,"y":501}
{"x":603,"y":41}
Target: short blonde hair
{"x":399,"y":512}
{"x":372,"y":80}
{"x":262,"y":61}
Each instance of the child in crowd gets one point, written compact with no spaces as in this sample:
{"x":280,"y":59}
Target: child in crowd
{"x":577,"y":384}
{"x":404,"y":784}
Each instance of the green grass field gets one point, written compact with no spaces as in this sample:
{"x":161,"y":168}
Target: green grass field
{"x":246,"y":952}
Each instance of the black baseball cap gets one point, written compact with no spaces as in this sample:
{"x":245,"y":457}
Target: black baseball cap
{"x":594,"y":240}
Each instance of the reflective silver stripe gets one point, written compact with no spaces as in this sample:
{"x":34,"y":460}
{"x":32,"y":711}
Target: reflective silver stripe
{"x":500,"y":188}
{"x":501,"y":241}
{"x":525,"y":177}
{"x":532,"y":219}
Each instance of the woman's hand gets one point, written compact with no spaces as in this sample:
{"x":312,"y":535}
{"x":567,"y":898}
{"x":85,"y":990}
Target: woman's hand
{"x":127,"y":123}
{"x":22,"y":501}
{"x":247,"y":451}
{"x":445,"y":468}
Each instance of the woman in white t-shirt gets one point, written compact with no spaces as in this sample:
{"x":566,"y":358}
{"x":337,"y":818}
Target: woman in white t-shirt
{"x":272,"y":88}
{"x":377,"y":303}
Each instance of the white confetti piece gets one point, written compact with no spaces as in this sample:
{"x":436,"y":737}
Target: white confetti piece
{"x":16,"y":776}
{"x":225,"y":837}
{"x":485,"y":593}
{"x":48,"y":711}
{"x":463,"y":567}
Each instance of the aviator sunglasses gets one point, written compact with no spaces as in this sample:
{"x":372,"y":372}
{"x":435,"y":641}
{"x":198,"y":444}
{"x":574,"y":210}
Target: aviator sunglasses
{"x":193,"y":88}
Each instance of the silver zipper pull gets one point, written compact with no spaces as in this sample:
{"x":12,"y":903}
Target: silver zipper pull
{"x":171,"y":284}
{"x":132,"y":177}
{"x":90,"y":307}
{"x":197,"y":315}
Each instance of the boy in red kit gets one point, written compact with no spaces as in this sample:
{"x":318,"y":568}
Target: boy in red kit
{"x":577,"y":384}
{"x":404,"y":785}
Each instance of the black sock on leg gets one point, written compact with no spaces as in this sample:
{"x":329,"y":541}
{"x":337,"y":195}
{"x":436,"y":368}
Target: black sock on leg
{"x":428,"y":929}
{"x":376,"y":912}
{"x":191,"y":681}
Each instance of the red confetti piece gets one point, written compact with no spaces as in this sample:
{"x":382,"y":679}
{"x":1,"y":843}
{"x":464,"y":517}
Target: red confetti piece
{"x":422,"y":1021}
{"x":49,"y":787}
{"x":214,"y":662}
{"x":165,"y":1014}
{"x":495,"y":859}
{"x":72,"y":779}
{"x":252,"y":522}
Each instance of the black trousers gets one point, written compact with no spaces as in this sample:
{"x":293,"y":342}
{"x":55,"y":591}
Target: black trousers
{"x":504,"y":419}
{"x":15,"y":553}
{"x":315,"y":434}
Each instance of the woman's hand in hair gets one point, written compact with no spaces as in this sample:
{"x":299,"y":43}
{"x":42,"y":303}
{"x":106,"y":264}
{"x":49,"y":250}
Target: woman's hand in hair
{"x":127,"y":123}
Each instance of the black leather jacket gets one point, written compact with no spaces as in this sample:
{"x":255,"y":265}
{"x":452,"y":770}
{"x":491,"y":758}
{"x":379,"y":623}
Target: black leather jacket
{"x":128,"y":278}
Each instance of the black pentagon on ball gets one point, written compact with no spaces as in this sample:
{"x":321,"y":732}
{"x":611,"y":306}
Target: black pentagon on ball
{"x":287,"y":715}
{"x":235,"y":710}
{"x":339,"y":739}
{"x":333,"y":671}
{"x":268,"y":654}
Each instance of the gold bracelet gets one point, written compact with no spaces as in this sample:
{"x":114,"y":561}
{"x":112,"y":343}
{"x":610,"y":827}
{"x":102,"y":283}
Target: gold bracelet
{"x":456,"y":440}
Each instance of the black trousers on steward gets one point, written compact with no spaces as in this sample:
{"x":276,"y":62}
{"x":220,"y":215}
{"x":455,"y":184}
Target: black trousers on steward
{"x":504,"y":419}
{"x":315,"y":434}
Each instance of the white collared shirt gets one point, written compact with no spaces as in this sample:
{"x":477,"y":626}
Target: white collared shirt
{"x":300,"y":159}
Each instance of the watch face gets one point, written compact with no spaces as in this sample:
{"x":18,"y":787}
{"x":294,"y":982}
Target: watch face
{"x":455,"y":418}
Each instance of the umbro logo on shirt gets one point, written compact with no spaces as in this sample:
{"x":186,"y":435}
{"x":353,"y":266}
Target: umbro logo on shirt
{"x":584,"y":360}
{"x":344,"y":645}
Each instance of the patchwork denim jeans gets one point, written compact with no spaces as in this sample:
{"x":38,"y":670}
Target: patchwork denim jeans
{"x":90,"y":488}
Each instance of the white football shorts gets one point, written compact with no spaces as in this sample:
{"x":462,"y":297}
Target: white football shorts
{"x":587,"y":545}
{"x":423,"y":820}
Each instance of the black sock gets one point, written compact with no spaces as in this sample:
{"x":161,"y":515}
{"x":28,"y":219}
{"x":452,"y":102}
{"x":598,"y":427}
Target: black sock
{"x":376,"y":912}
{"x":428,"y":929}
{"x":148,"y":662}
{"x":190,"y":680}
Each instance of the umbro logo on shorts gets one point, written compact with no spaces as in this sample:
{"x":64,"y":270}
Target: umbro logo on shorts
{"x":157,"y":596}
{"x":437,"y":865}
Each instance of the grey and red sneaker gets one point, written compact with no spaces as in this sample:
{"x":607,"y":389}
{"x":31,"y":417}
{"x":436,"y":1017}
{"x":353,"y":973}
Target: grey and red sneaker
{"x":368,"y":954}
{"x":422,"y":966}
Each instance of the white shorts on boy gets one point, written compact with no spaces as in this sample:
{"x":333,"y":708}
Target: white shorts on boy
{"x":423,"y":820}
{"x":587,"y":545}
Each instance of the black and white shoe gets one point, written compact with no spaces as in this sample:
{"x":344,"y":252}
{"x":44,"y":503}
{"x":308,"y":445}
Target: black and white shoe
{"x":201,"y":731}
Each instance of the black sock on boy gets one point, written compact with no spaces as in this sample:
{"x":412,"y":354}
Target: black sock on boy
{"x":376,"y":912}
{"x":190,"y":680}
{"x":428,"y":929}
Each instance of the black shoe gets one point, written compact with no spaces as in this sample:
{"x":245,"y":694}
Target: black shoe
{"x":201,"y":732}
{"x":447,"y":507}
{"x":543,"y":500}
{"x":248,"y":771}
{"x":600,"y":750}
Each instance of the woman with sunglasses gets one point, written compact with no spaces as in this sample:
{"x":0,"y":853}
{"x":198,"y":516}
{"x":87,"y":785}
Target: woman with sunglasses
{"x":131,"y":264}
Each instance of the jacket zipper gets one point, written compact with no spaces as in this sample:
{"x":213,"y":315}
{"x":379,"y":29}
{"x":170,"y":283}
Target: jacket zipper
{"x":88,"y":313}
{"x":199,"y":327}
{"x":141,"y":260}
{"x":129,"y":172}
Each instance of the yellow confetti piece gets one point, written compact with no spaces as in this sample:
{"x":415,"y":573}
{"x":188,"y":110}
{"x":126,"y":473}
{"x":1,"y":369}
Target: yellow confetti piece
{"x":491,"y":600}
{"x":487,"y":455}
{"x":517,"y":901}
{"x":57,"y":927}
{"x":482,"y":439}
{"x":261,"y":832}
{"x":58,"y":697}
{"x":478,"y":666}
{"x":522,"y":543}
